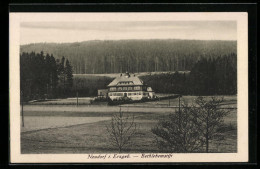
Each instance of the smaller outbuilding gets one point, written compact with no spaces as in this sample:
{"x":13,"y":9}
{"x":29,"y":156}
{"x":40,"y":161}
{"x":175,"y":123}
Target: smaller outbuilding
{"x":151,"y":93}
{"x":103,"y":93}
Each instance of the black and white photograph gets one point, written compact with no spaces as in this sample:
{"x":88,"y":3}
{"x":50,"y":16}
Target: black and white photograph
{"x":128,"y":87}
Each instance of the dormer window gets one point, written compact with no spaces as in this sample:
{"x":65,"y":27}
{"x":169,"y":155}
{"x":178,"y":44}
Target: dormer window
{"x":125,"y":83}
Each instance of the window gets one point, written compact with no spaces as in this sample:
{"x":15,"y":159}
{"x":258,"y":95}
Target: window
{"x":124,"y":88}
{"x":130,"y":88}
{"x":120,"y":89}
{"x":124,"y":83}
{"x":137,"y":88}
{"x":112,"y":89}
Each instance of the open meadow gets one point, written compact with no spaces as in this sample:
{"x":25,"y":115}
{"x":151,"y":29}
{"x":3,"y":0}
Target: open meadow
{"x":83,"y":129}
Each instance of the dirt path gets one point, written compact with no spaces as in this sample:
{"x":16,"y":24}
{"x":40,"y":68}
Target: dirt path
{"x":36,"y":123}
{"x":94,"y":108}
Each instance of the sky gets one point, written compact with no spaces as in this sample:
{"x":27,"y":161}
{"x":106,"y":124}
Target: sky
{"x":64,"y":32}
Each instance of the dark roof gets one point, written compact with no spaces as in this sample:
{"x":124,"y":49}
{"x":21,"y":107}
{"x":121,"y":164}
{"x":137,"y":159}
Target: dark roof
{"x":132,"y":79}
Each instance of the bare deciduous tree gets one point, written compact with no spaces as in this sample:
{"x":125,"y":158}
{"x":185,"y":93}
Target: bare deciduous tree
{"x":177,"y":132}
{"x":209,"y":118}
{"x":191,"y":128}
{"x":121,"y":130}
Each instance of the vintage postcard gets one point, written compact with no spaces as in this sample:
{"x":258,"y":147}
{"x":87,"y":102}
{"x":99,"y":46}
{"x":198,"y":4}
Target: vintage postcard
{"x":128,"y":87}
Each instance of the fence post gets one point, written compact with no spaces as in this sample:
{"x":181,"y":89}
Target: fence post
{"x":179,"y":103}
{"x":22,"y":109}
{"x":179,"y":111}
{"x":77,"y":98}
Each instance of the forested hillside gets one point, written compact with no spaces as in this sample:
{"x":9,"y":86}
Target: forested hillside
{"x":207,"y":77}
{"x":134,"y":55}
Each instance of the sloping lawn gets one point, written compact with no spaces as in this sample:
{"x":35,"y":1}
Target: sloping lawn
{"x":93,"y":137}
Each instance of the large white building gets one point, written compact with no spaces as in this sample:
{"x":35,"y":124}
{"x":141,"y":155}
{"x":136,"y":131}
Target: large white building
{"x":129,"y":86}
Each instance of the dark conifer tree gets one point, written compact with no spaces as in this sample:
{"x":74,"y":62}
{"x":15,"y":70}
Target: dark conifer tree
{"x":68,"y":74}
{"x":39,"y":76}
{"x":54,"y":76}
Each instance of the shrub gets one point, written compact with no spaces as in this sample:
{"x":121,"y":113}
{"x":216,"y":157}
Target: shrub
{"x":100,"y":99}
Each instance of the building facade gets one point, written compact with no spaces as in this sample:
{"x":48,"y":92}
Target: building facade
{"x":129,"y":86}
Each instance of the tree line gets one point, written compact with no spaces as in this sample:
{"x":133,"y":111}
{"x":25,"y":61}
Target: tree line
{"x":110,"y":56}
{"x":217,"y":76}
{"x":41,"y":76}
{"x":89,"y":85}
{"x":208,"y":76}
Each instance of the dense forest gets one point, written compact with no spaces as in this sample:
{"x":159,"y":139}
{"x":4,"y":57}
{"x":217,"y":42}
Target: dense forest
{"x":210,"y":66}
{"x":110,"y":56}
{"x":41,"y":76}
{"x":88,"y":85}
{"x":207,"y":77}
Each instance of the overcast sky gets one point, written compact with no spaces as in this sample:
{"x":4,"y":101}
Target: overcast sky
{"x":59,"y":32}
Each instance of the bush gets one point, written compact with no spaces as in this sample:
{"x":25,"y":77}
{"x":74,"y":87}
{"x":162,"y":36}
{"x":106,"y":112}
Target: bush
{"x":100,"y":99}
{"x":120,"y":100}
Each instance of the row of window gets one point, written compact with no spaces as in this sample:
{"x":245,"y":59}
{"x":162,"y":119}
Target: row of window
{"x":116,"y":94}
{"x":124,"y":88}
{"x":128,"y":94}
{"x":138,"y":93}
{"x":124,"y":83}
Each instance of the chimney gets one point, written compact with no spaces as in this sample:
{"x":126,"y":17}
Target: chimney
{"x":127,"y":75}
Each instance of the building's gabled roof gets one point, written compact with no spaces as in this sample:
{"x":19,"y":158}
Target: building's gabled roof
{"x":149,"y":89}
{"x":126,"y":80}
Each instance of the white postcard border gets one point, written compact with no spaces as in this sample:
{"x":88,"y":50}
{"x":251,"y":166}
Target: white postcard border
{"x":242,"y":100}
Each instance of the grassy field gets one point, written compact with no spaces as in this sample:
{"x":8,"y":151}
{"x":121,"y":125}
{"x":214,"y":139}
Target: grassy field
{"x":71,"y":129}
{"x":229,"y":101}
